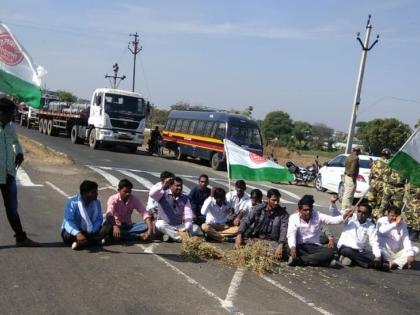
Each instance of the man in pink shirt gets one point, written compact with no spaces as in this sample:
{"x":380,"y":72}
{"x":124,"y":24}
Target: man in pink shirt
{"x":118,"y":224}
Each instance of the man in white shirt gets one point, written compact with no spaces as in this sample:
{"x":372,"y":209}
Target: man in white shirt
{"x":216,"y":210}
{"x":397,"y":250}
{"x":246,"y":206}
{"x":234,"y":199}
{"x":303,"y":235}
{"x":358,"y":242}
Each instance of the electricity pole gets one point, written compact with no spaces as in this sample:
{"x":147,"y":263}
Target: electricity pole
{"x":356,"y":101}
{"x":135,"y":50}
{"x":114,"y":77}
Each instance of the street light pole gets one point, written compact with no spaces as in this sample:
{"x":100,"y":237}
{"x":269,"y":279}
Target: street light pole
{"x":356,"y":101}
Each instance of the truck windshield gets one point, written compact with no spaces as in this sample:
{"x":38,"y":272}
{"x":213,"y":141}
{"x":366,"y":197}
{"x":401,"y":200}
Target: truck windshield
{"x":245,"y":135}
{"x":124,"y":104}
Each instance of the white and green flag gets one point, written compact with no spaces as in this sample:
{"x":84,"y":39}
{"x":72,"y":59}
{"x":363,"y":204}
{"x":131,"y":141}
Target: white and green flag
{"x":243,"y":164}
{"x":407,"y":159}
{"x":18,"y":75}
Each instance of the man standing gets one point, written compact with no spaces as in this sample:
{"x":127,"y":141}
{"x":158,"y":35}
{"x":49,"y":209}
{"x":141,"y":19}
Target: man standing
{"x":412,"y":212}
{"x":234,"y":199}
{"x":198,"y":195}
{"x":358,"y":242}
{"x":350,"y":176}
{"x":155,"y":137}
{"x":267,"y":221}
{"x":376,"y":182}
{"x":393,"y":194}
{"x":11,"y":157}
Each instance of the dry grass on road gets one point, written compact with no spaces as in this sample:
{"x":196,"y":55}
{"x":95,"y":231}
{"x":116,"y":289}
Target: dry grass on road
{"x":283,"y":155}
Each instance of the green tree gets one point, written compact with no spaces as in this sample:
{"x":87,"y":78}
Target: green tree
{"x":187,"y":106}
{"x":66,"y":96}
{"x":248,"y":111}
{"x":302,"y":131}
{"x":157,"y":116}
{"x":321,"y":133}
{"x":383,"y":133}
{"x":276,"y":124}
{"x":417,"y":124}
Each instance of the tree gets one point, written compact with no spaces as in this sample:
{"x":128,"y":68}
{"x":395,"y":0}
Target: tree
{"x":248,"y":111}
{"x":158,"y":116}
{"x":187,"y":106}
{"x":66,"y":96}
{"x":276,"y":124}
{"x":383,"y":133}
{"x":321,"y":133}
{"x":302,"y":131}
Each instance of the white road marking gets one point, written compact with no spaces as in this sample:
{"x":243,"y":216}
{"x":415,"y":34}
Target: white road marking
{"x":146,"y":183}
{"x":187,"y":277}
{"x":233,"y":290}
{"x":22,"y":179}
{"x":296,"y":295}
{"x":58,"y":189}
{"x":110,"y":178}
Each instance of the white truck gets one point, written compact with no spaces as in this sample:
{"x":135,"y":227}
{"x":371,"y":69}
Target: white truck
{"x":113,"y":117}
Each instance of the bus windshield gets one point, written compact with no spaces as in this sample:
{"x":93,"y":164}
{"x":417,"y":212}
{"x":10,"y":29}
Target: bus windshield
{"x":245,"y":135}
{"x":123,"y":104}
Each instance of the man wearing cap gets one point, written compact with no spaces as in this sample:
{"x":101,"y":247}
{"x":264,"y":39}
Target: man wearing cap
{"x":11,"y":157}
{"x":376,"y":182}
{"x":350,"y":176}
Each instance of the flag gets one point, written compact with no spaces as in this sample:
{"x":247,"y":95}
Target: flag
{"x":243,"y":164}
{"x":18,"y":75}
{"x":407,"y":160}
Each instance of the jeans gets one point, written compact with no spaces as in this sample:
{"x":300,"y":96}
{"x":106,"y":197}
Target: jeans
{"x":314,"y":255}
{"x":361,"y":258}
{"x":129,"y":232}
{"x":68,"y":239}
{"x":9,"y":193}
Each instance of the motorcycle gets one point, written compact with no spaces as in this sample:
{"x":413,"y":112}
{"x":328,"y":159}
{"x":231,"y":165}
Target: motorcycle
{"x":303,"y":175}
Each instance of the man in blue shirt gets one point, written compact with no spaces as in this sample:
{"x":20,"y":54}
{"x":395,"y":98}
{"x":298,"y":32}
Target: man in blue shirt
{"x":82,"y":217}
{"x":197,"y":196}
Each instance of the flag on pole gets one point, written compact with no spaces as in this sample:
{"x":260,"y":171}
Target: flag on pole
{"x":407,"y":159}
{"x":18,"y":75}
{"x":243,"y":164}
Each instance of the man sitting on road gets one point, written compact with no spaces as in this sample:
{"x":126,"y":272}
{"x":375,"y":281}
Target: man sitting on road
{"x":234,"y":199}
{"x":358,"y":243}
{"x":266,"y":221}
{"x":118,"y":224}
{"x":152,"y":205}
{"x":215,"y":209}
{"x":198,"y":195}
{"x":304,"y":233}
{"x":175,"y":215}
{"x":11,"y":157}
{"x":246,"y":206}
{"x":397,"y":250}
{"x":82,"y":217}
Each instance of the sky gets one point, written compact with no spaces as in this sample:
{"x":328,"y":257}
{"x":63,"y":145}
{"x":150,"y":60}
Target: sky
{"x":301,"y":57}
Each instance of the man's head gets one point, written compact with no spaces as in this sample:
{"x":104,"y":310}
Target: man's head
{"x":7,"y":110}
{"x":364,"y":211}
{"x":306,"y":206}
{"x":219,"y":195}
{"x":165,"y":174}
{"x":356,"y":151}
{"x":273,"y":198}
{"x":88,"y":191}
{"x":203,"y":181}
{"x":176,"y":187}
{"x":124,"y":189}
{"x":386,"y":153}
{"x":393,"y":213}
{"x":240,"y":188}
{"x":157,"y":128}
{"x":256,"y":197}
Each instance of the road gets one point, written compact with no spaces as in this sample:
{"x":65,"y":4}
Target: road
{"x":153,"y":277}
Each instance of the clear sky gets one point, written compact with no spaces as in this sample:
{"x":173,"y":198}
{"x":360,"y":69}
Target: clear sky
{"x":301,"y":57}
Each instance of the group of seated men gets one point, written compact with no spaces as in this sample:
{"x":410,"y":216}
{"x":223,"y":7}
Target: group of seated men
{"x":242,"y":217}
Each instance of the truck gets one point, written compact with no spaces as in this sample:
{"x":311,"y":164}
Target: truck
{"x":113,"y":117}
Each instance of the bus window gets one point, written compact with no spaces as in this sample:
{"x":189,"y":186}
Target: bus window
{"x":178,"y":125}
{"x":219,"y":130}
{"x":200,"y":127}
{"x":208,"y":128}
{"x":172,"y":125}
{"x":168,"y":124}
{"x":245,"y":135}
{"x":185,"y":125}
{"x":192,"y":126}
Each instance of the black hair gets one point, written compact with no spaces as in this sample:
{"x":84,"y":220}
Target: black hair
{"x":256,"y":194}
{"x":240,"y":184}
{"x":166,"y":174}
{"x":307,"y":200}
{"x":87,"y":186}
{"x":203,"y":175}
{"x":394,"y":209}
{"x":273,"y":192}
{"x":219,"y":193}
{"x":367,"y":206}
{"x":125,"y":183}
{"x":7,"y":105}
{"x":178,"y":179}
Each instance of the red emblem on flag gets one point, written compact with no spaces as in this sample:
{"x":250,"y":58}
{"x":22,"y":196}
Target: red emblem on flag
{"x":10,"y":53}
{"x":257,"y":158}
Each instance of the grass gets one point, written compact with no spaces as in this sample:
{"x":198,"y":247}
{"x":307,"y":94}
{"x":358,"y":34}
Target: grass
{"x":326,"y":154}
{"x":196,"y":248}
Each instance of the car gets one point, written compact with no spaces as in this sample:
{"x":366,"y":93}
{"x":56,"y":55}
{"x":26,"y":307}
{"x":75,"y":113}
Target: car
{"x":331,"y":175}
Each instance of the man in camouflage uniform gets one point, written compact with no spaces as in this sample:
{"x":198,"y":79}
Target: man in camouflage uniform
{"x":376,"y":182}
{"x":412,"y":210}
{"x":393,"y":191}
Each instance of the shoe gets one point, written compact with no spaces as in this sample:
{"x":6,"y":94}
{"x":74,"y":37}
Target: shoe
{"x":292,"y":262}
{"x":394,"y":266}
{"x":333,"y":263}
{"x":106,"y":241}
{"x":165,"y":238}
{"x":386,"y":267}
{"x":345,"y":261}
{"x":27,"y":242}
{"x":75,"y":246}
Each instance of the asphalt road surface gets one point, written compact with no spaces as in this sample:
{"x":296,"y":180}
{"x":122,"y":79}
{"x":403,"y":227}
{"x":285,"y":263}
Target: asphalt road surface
{"x":153,"y":278}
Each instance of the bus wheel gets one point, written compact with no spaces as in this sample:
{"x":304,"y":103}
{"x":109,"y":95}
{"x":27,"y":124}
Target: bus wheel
{"x":178,"y":154}
{"x":216,"y":162}
{"x":93,"y":142}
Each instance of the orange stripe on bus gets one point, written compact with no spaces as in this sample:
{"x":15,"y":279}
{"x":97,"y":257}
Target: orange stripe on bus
{"x":190,"y":136}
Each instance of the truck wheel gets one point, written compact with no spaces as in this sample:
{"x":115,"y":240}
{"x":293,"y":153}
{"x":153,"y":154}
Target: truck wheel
{"x":216,"y":162}
{"x":22,"y":120}
{"x":28,"y":123}
{"x":50,"y":128}
{"x":44,"y":126}
{"x":40,"y":127}
{"x":74,"y":135}
{"x":178,"y":154}
{"x":132,"y":148}
{"x":93,"y":142}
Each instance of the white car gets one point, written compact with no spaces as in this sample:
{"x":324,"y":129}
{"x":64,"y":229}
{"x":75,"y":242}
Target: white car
{"x":331,"y":175}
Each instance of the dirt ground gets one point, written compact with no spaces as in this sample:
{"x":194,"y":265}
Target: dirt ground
{"x":283,"y":155}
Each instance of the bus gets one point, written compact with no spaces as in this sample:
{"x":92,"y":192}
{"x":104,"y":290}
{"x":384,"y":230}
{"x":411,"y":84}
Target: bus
{"x":200,"y":134}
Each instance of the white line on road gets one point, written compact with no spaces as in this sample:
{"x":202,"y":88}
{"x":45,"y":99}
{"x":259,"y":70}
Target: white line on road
{"x":187,"y":277}
{"x":58,"y":189}
{"x":233,"y":290}
{"x":146,"y":183}
{"x":110,"y":178}
{"x":296,"y":295}
{"x":22,"y":179}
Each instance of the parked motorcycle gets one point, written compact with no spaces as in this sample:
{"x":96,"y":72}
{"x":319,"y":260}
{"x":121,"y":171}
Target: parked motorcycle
{"x":303,"y":175}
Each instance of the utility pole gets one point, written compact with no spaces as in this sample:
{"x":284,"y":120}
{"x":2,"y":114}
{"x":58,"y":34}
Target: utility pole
{"x":356,"y":101}
{"x":135,"y":50}
{"x":114,"y":77}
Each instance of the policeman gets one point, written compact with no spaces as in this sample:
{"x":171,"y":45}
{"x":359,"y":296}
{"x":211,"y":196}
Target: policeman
{"x":393,"y":190}
{"x":376,"y":182}
{"x":412,"y":210}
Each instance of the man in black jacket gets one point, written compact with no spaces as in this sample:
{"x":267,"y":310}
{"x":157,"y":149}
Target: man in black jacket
{"x":267,"y":221}
{"x":198,"y":195}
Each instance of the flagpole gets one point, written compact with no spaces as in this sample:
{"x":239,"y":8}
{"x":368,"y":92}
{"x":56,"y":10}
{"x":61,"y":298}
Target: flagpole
{"x":227,"y":162}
